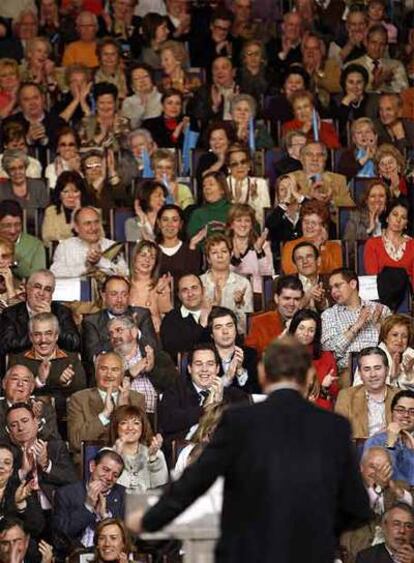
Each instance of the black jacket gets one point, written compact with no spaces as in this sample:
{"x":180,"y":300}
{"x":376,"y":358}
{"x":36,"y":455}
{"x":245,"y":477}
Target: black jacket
{"x":292,"y":482}
{"x":375,"y":554}
{"x":14,"y":335}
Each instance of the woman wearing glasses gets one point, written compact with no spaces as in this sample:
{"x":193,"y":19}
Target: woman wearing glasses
{"x":67,"y":156}
{"x":243,"y":187}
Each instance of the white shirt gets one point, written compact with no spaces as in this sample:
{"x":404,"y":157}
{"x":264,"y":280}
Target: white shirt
{"x":69,"y":260}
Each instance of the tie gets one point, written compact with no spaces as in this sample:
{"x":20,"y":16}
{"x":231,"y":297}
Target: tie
{"x":203,"y":396}
{"x":375,"y":65}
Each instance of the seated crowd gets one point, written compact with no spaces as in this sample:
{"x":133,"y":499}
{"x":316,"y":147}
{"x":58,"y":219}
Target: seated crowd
{"x":180,"y":184}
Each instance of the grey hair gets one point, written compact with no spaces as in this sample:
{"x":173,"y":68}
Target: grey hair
{"x":42,"y":318}
{"x":10,"y":155}
{"x":89,"y":14}
{"x":125,"y":320}
{"x":244,"y":98}
{"x":140,"y":132}
{"x":43,"y":272}
{"x":11,"y":368}
{"x":305,"y":147}
{"x":375,"y":449}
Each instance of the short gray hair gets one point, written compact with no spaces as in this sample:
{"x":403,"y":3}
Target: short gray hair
{"x":140,"y":133}
{"x":125,"y":320}
{"x":42,"y":272}
{"x":44,"y":318}
{"x":244,"y":98}
{"x":10,"y":155}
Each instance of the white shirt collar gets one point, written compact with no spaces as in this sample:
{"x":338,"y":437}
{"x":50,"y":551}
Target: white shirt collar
{"x":186,"y":312}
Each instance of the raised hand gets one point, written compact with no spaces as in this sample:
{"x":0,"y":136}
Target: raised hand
{"x":238,"y":297}
{"x":67,"y":375}
{"x":39,"y":449}
{"x":108,"y":405}
{"x":23,"y":491}
{"x":258,"y":245}
{"x":150,"y":357}
{"x":46,"y":551}
{"x":155,"y":445}
{"x":198,"y":237}
{"x":329,"y":379}
{"x":100,"y":507}
{"x":44,"y":371}
{"x":124,"y":388}
{"x":93,"y":490}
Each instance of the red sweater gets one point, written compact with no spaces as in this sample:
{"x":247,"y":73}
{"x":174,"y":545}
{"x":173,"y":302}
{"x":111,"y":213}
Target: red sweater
{"x":327,"y":132}
{"x":323,"y":366}
{"x":376,"y":257}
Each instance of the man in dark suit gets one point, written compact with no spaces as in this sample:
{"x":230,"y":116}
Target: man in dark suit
{"x":14,"y":333}
{"x":397,"y":526}
{"x":80,"y":506}
{"x":48,"y":463}
{"x":15,"y":543}
{"x":306,"y":258}
{"x":261,"y":451}
{"x":185,"y":326}
{"x":18,"y":385}
{"x":182,"y":405}
{"x":95,"y":335}
{"x":238,"y":363}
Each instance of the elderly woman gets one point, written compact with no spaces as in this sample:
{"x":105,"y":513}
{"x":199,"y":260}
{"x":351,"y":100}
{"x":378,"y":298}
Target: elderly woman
{"x":303,"y":109}
{"x":354,"y":102}
{"x":167,"y":130}
{"x":103,"y":184}
{"x":145,"y":465}
{"x":254,"y":77}
{"x":30,"y":193}
{"x":243,"y":111}
{"x":212,"y":214}
{"x":110,"y":68}
{"x":390,"y":167}
{"x":222,"y":286}
{"x":9,"y":86}
{"x":69,"y":194}
{"x":244,"y":188}
{"x":155,"y":32}
{"x":396,"y":339}
{"x":252,"y":255}
{"x":393,"y":248}
{"x":314,"y":218}
{"x":315,"y":182}
{"x":219,"y":136}
{"x":107,"y":127}
{"x":148,"y":288}
{"x":75,"y":104}
{"x":131,"y":160}
{"x":14,"y":137}
{"x":358,"y":161}
{"x":145,"y":102}
{"x":37,"y":66}
{"x":11,"y":289}
{"x":164,"y":164}
{"x":174,"y":59}
{"x":367,"y":219}
{"x":67,"y":157}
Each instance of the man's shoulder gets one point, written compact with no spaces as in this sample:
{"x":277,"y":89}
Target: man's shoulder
{"x":266,"y":318}
{"x":29,"y":240}
{"x":59,"y":309}
{"x":84,"y":395}
{"x":73,"y":491}
{"x":374,"y":554}
{"x":96,"y":318}
{"x":15,"y":310}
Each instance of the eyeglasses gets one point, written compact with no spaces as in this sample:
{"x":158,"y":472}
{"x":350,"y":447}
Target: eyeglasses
{"x":17,"y":168}
{"x":93,"y":165}
{"x":239,"y":163}
{"x":403,"y":411}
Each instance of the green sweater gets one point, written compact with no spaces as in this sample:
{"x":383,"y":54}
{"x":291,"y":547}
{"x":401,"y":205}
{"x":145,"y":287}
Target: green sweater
{"x":30,"y":255}
{"x":201,"y":216}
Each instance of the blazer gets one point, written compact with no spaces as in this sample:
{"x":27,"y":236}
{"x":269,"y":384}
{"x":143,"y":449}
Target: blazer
{"x":180,"y":335}
{"x":48,"y":429}
{"x":330,"y":253}
{"x":261,"y":451}
{"x":180,"y":407}
{"x":14,"y":336}
{"x":375,"y":554}
{"x":83,"y":420}
{"x":331,"y":180}
{"x":30,"y":255}
{"x":352,"y":404}
{"x":62,"y":470}
{"x":71,"y":517}
{"x":95,"y":335}
{"x":263,"y":329}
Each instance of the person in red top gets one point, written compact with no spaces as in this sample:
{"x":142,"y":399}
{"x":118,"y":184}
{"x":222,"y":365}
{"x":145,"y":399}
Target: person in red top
{"x":265,"y":327}
{"x":303,"y":107}
{"x":393,"y":248}
{"x":306,"y":326}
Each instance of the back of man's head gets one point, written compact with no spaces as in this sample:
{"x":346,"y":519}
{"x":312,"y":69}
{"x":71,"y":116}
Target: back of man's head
{"x":286,"y":359}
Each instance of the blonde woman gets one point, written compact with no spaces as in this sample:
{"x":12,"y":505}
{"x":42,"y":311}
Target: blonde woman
{"x":174,"y":59}
{"x":390,"y":167}
{"x":164,"y":164}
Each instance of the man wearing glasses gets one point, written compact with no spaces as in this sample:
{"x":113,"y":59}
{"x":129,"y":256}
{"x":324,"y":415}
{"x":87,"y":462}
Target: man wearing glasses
{"x":398,"y":437}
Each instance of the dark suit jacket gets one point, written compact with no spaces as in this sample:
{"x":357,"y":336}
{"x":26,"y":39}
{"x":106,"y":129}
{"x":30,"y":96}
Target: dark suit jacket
{"x":178,"y":334}
{"x":288,"y":463}
{"x":62,"y":471}
{"x":51,"y":122}
{"x":70,"y":515}
{"x":95,"y":335}
{"x":161,"y":135}
{"x":14,"y":336}
{"x":180,"y":407}
{"x":48,"y":425}
{"x":375,"y":554}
